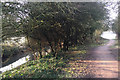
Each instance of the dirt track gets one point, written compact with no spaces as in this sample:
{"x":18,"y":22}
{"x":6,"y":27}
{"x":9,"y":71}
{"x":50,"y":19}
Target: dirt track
{"x":105,"y":64}
{"x":101,"y":63}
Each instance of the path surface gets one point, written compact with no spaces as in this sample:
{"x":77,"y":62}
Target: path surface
{"x":100,"y":63}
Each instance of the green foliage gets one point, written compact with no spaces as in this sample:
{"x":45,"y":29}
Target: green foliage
{"x":116,"y":22}
{"x":54,"y":23}
{"x":115,"y":26}
{"x":11,"y":14}
{"x":43,"y":68}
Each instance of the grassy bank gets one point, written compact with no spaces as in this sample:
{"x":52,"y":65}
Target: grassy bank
{"x":47,"y":67}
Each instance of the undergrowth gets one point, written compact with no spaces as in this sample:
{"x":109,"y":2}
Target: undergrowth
{"x":47,"y":67}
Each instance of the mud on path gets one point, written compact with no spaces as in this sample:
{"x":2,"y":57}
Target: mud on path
{"x":99,"y":63}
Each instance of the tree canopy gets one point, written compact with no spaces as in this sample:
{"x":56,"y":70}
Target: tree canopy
{"x":116,"y":22}
{"x":58,"y":24}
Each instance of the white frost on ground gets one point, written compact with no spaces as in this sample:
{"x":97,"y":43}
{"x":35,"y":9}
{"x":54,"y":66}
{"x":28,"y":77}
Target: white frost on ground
{"x":15,"y":64}
{"x":108,"y":35}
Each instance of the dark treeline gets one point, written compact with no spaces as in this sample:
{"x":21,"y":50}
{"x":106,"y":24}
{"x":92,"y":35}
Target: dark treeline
{"x":57,"y":25}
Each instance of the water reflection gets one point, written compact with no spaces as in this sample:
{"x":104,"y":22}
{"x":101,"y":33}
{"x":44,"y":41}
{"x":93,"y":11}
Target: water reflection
{"x":15,"y":64}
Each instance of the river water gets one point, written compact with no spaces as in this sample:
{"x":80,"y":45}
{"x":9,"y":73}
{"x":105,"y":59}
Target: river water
{"x":15,"y":64}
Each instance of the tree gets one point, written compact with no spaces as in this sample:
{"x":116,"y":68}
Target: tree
{"x":116,"y":22}
{"x":58,"y":25}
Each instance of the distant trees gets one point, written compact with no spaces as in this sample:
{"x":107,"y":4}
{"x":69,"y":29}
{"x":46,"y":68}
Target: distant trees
{"x":115,"y":26}
{"x":58,"y":25}
{"x":116,"y":22}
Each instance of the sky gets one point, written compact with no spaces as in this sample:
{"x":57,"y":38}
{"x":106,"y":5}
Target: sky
{"x":113,"y":11}
{"x":108,"y":35}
